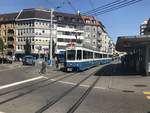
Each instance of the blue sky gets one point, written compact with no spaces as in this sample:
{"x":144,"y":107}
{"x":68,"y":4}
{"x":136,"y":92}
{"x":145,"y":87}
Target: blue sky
{"x":125,"y":21}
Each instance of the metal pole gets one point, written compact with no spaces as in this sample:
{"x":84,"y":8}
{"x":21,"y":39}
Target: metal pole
{"x":51,"y":40}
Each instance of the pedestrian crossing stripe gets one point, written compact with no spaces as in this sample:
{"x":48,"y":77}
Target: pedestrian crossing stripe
{"x":147,"y":92}
{"x":148,"y":97}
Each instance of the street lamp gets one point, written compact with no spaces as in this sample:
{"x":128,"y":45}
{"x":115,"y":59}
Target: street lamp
{"x":51,"y":40}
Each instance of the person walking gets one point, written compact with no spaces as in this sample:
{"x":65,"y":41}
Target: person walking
{"x":56,"y":62}
{"x":43,"y":68}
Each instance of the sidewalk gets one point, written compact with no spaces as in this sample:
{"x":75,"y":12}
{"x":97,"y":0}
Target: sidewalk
{"x":116,"y":77}
{"x":10,"y":66}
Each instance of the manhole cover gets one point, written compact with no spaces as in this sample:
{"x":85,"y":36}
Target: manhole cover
{"x":128,"y":91}
{"x":140,"y":85}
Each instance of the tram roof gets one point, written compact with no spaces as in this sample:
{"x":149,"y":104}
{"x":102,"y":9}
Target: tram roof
{"x":128,"y":43}
{"x":86,"y":49}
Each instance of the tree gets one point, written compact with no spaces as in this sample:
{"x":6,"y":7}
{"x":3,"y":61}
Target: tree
{"x":1,"y":45}
{"x":28,"y":47}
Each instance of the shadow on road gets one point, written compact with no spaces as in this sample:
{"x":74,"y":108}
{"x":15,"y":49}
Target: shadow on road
{"x":116,"y":70}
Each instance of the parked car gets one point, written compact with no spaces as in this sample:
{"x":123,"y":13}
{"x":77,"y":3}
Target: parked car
{"x":28,"y":60}
{"x":6,"y":60}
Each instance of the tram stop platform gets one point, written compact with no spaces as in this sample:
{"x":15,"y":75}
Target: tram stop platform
{"x":138,"y":53}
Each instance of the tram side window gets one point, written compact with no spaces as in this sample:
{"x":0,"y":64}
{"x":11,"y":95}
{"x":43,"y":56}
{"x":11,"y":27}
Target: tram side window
{"x":71,"y":54}
{"x":98,"y":55}
{"x":85,"y":54}
{"x":90,"y":55}
{"x":79,"y":54}
{"x":104,"y":55}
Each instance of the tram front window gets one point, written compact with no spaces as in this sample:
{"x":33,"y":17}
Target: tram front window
{"x":71,"y":55}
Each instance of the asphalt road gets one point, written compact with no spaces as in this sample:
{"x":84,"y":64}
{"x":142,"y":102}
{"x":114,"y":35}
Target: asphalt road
{"x":51,"y":93}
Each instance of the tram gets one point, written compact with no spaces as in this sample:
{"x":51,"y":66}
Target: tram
{"x":80,"y":58}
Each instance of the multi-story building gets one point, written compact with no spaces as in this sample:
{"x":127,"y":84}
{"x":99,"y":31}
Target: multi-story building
{"x":33,"y":26}
{"x":7,"y":32}
{"x":69,"y":30}
{"x":91,"y":29}
{"x":95,"y":35}
{"x":145,"y":28}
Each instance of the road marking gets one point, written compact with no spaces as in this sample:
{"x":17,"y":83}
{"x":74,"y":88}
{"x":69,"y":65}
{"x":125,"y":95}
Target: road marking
{"x":21,"y":82}
{"x":71,"y":83}
{"x":148,"y":97}
{"x":147,"y":92}
{"x":2,"y":112}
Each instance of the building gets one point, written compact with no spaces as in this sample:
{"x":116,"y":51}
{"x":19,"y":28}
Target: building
{"x":145,"y":28}
{"x":90,"y":28}
{"x":33,"y":26}
{"x":138,"y":53}
{"x":69,"y":30}
{"x":7,"y":32}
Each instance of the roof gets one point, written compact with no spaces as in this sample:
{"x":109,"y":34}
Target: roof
{"x":45,"y":14}
{"x":128,"y":43}
{"x":34,"y":13}
{"x":8,"y":17}
{"x":91,"y":20}
{"x":68,"y":18}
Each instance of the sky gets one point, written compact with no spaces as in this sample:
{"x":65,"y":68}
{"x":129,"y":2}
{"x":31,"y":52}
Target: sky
{"x":122,"y":22}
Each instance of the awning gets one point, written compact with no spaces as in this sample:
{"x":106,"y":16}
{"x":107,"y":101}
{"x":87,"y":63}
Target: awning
{"x":128,"y":43}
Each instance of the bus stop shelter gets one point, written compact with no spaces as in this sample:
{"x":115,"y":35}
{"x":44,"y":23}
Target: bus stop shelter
{"x":138,"y":52}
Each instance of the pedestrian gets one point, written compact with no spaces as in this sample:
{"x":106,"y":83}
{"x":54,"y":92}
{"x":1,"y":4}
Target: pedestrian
{"x":56,"y":62}
{"x":43,"y":68}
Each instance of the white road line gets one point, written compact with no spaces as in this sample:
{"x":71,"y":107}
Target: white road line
{"x":2,"y":112}
{"x":21,"y":82}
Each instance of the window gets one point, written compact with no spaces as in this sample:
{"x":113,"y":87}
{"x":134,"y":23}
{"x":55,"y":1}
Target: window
{"x":71,"y":54}
{"x":60,"y":40}
{"x":18,"y":47}
{"x":32,"y":46}
{"x":79,"y":55}
{"x":87,"y":55}
{"x":32,"y":39}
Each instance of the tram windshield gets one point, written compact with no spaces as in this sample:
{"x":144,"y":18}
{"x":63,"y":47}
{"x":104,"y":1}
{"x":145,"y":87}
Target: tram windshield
{"x":71,"y":54}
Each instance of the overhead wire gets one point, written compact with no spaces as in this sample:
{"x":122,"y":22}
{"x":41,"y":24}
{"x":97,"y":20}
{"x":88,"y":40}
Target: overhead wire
{"x":101,"y":7}
{"x":117,"y":7}
{"x":69,"y":3}
{"x":107,"y":8}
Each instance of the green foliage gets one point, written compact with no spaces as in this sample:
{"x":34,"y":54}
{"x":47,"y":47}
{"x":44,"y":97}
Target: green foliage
{"x":1,"y":45}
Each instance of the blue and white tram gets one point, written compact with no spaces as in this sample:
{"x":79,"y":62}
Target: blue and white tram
{"x":79,"y":58}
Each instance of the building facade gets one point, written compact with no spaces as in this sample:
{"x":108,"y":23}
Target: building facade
{"x":145,"y":27}
{"x":91,"y":31}
{"x":8,"y":33}
{"x":34,"y":26}
{"x":69,"y":30}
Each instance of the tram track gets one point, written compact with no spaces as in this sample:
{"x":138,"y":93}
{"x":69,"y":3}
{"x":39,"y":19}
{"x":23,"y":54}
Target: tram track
{"x":54,"y":100}
{"x":82,"y":98}
{"x":33,"y":84}
{"x":36,"y":88}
